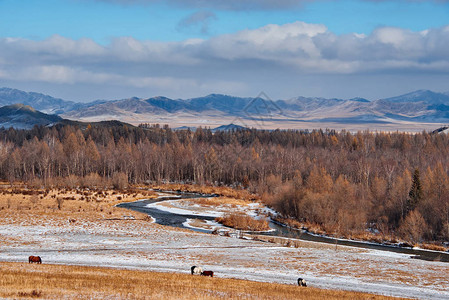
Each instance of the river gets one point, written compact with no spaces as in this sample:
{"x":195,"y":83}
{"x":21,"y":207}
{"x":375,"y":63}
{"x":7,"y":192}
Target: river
{"x":176,"y":220}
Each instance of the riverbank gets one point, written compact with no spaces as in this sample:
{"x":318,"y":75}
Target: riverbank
{"x":97,"y":233}
{"x":200,"y":211}
{"x":432,"y":251}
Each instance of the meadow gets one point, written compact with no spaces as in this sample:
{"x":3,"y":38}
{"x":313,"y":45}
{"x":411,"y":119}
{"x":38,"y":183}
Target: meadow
{"x":78,"y":232}
{"x":21,"y":280}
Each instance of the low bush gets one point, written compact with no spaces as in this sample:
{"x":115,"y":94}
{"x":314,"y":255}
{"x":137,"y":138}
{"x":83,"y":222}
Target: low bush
{"x":433,"y":247}
{"x":119,"y":181}
{"x":243,"y":222}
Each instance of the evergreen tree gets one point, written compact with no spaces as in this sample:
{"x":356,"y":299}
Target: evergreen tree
{"x":415,"y":194}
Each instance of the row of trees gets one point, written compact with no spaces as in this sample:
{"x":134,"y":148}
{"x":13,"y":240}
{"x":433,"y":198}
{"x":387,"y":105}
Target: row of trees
{"x":413,"y":207}
{"x":335,"y":179}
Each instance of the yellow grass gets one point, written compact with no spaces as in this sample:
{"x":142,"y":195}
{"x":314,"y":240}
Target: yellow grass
{"x":22,"y":280}
{"x":433,"y":247}
{"x":36,"y":205}
{"x":211,"y":202}
{"x":220,"y":190}
{"x":243,"y":222}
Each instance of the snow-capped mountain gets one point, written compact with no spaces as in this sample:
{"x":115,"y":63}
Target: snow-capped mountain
{"x":420,"y":106}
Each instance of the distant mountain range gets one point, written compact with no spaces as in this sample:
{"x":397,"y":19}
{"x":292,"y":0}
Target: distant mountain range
{"x":421,"y":106}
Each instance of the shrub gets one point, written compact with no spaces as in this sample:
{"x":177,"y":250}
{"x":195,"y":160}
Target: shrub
{"x":92,"y":180}
{"x":59,"y":202}
{"x":119,"y":181}
{"x":34,"y":199}
{"x":243,"y":222}
{"x":72,"y":181}
{"x":35,"y":183}
{"x":433,"y":247}
{"x":413,"y":227}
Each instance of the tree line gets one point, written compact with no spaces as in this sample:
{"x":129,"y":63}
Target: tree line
{"x":385,"y":182}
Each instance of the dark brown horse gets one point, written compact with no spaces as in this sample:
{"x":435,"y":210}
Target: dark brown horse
{"x":208,"y":273}
{"x":34,"y":259}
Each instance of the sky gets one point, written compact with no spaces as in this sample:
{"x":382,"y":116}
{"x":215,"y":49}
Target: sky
{"x":83,"y":50}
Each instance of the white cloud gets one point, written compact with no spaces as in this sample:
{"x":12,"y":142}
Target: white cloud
{"x":130,"y":49}
{"x":57,"y":45}
{"x":270,"y":42}
{"x":61,"y":75}
{"x":239,"y":61}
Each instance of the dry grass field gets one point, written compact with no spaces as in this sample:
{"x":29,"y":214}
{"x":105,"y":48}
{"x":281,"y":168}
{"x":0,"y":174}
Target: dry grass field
{"x":78,"y":230}
{"x":67,"y":205}
{"x":22,"y":280}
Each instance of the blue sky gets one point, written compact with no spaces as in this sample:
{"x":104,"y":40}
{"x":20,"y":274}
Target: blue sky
{"x":88,"y":49}
{"x":101,"y":21}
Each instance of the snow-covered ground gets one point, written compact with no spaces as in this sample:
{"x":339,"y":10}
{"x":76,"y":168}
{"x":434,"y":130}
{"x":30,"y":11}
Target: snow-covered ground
{"x":138,"y":244}
{"x":190,"y":207}
{"x":177,"y":207}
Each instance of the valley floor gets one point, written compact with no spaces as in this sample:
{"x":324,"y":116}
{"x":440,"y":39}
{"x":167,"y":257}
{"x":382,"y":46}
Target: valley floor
{"x":98,"y":234}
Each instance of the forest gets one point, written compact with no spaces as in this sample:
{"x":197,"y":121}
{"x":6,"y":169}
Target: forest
{"x":384,"y":183}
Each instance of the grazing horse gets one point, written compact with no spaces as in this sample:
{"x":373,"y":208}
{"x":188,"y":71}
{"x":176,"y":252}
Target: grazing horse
{"x":196,"y":270}
{"x":208,"y":273}
{"x":34,"y":259}
{"x":302,"y":282}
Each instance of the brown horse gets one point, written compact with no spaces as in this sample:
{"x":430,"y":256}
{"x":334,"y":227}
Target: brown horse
{"x":34,"y":259}
{"x":208,"y":273}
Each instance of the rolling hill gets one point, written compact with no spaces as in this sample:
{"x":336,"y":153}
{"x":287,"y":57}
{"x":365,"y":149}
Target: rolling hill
{"x":422,"y":107}
{"x":41,"y":102}
{"x":22,"y":116}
